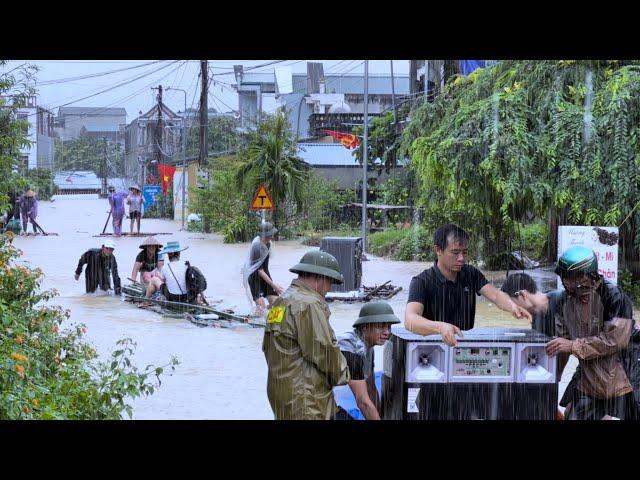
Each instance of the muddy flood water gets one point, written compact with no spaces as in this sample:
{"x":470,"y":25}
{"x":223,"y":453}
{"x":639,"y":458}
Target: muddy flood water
{"x":222,"y":372}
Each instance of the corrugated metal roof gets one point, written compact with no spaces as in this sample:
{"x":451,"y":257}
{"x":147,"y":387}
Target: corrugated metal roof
{"x":102,"y":128}
{"x":326,"y":154}
{"x":85,"y":180}
{"x":77,"y":181}
{"x":378,"y":84}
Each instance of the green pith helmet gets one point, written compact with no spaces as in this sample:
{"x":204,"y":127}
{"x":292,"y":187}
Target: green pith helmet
{"x":320,"y":263}
{"x":376,"y":312}
{"x":577,"y":260}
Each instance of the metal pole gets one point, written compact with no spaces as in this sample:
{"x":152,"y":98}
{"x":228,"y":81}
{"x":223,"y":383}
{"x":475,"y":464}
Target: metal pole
{"x":184,"y":149}
{"x":393,"y":94}
{"x":365,"y":156}
{"x":426,"y":80}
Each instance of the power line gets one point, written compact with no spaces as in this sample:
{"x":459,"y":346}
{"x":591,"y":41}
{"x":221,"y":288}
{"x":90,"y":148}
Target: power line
{"x":94,"y":75}
{"x":111,"y":88}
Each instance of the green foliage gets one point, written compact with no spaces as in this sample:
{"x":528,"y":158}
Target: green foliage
{"x":532,"y":239}
{"x":225,"y":207}
{"x":322,"y":203}
{"x":40,"y":180}
{"x":222,"y":136}
{"x":630,"y":286}
{"x":87,"y":153}
{"x":521,"y":137}
{"x":13,"y":94}
{"x":384,"y":142}
{"x":313,"y":239}
{"x":271,"y":158}
{"x":46,"y":373}
{"x":405,"y":244}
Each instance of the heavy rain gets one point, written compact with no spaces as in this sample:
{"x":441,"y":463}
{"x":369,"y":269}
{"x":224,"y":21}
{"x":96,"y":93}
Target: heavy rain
{"x":438,"y":341}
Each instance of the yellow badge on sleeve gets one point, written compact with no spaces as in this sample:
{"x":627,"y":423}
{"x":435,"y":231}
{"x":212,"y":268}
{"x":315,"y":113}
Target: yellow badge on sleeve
{"x":276,"y":314}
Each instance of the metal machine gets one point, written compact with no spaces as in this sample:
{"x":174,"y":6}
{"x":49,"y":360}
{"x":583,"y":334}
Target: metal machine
{"x":492,"y":374}
{"x":348,"y":252}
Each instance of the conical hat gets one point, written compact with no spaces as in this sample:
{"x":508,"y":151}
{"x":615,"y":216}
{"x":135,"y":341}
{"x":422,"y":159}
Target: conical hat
{"x":150,"y":241}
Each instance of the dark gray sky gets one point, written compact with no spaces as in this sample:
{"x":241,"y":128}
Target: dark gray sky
{"x":135,"y":94}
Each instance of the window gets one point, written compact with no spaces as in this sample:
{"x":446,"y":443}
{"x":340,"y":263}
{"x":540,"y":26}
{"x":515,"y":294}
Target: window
{"x":24,"y":118}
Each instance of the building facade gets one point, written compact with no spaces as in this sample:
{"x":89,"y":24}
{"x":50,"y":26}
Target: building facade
{"x":150,"y":139}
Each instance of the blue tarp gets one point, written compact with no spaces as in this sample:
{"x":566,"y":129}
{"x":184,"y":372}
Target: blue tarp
{"x":347,"y":401}
{"x":468,"y":66}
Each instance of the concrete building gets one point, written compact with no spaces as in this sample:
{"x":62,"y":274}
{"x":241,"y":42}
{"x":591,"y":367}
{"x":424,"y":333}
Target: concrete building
{"x":39,"y":131}
{"x":143,"y":151}
{"x":72,"y":122}
{"x":315,"y":101}
{"x":334,"y":162}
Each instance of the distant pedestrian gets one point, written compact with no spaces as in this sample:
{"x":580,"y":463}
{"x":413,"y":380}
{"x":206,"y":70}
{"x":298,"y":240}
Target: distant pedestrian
{"x":255,"y":274}
{"x":135,"y":201}
{"x":29,"y":210}
{"x":116,"y":201}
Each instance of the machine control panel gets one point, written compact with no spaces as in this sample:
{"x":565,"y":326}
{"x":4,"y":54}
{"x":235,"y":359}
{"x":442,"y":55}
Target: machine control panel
{"x":480,"y":361}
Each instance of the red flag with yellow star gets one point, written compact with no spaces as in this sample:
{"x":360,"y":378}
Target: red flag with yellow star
{"x":349,"y":140}
{"x":166,"y":175}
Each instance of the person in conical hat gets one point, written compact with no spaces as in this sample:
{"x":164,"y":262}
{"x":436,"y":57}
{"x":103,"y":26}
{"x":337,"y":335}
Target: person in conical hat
{"x":116,"y":202}
{"x":148,"y":262}
{"x":29,"y":210}
{"x":135,"y":200}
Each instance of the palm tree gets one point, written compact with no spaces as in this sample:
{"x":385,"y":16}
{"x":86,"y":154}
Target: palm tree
{"x":271,"y":159}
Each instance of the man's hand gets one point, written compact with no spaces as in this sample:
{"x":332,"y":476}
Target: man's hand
{"x":278,"y":289}
{"x":519,"y":312}
{"x":76,"y":276}
{"x":559,"y":345}
{"x":449,"y":333}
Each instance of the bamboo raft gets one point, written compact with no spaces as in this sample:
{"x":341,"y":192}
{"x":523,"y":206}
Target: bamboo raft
{"x":201,"y":315}
{"x":379,"y":292}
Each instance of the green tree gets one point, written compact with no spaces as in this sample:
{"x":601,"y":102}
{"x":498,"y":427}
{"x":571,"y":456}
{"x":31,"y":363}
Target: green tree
{"x":14,"y":92}
{"x":555,"y":138}
{"x":271,"y":159}
{"x":222,"y":136}
{"x":87,"y":153}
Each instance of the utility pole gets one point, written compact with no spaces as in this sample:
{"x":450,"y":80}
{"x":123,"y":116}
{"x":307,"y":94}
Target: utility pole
{"x":365,"y":156}
{"x":426,"y":80}
{"x":204,"y":123}
{"x":393,"y":94}
{"x":204,"y":111}
{"x":158,"y":143}
{"x":104,"y":167}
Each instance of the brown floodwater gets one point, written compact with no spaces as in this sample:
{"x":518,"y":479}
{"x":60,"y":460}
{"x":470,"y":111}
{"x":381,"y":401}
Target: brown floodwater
{"x":222,"y":374}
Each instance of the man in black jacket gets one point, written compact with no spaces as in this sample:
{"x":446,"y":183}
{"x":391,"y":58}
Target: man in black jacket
{"x":101,"y":264}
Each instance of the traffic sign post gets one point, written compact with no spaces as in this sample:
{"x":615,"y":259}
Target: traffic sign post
{"x":262,"y":200}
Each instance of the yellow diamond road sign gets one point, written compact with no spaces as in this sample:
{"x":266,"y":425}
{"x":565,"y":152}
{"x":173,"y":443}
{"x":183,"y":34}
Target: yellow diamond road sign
{"x":262,"y":200}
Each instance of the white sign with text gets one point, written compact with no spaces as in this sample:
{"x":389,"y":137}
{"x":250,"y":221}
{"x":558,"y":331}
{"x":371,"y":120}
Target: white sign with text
{"x":602,"y":240}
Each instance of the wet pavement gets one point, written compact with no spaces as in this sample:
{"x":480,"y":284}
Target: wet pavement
{"x":222,"y":374}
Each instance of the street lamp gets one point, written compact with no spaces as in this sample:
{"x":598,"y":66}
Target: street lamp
{"x":184,"y":151}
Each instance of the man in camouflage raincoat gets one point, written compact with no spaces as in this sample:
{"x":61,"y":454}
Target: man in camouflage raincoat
{"x":300,"y":346}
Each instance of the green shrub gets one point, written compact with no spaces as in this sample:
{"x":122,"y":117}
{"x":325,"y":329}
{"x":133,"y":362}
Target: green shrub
{"x":385,"y":243}
{"x":417,"y":244}
{"x":46,"y":373}
{"x":313,"y":239}
{"x":630,"y":286}
{"x":533,"y":239}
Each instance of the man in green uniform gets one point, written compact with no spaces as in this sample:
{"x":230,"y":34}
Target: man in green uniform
{"x":300,"y":347}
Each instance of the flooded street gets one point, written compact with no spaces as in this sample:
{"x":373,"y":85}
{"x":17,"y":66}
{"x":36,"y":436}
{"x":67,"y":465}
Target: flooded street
{"x":222,"y":372}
